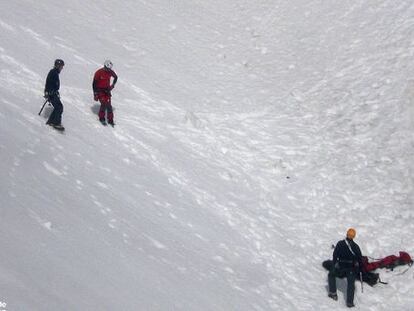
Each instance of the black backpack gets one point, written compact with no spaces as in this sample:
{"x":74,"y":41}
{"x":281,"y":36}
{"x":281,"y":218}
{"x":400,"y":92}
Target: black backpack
{"x":370,"y":278}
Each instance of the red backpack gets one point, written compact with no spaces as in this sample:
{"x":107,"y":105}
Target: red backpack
{"x":389,"y":262}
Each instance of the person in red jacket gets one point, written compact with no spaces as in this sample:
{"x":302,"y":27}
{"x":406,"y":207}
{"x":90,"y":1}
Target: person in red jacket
{"x":102,"y":88}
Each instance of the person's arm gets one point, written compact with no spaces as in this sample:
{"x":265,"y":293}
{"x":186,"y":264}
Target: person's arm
{"x":115,"y":79}
{"x":358,"y":254}
{"x":335,"y":254}
{"x":94,"y":88}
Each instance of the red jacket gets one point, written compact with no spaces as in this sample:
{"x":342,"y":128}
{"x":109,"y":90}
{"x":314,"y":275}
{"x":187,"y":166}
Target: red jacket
{"x":102,"y":80}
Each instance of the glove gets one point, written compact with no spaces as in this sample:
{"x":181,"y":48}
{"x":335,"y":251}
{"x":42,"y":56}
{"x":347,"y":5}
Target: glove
{"x":111,"y":87}
{"x":95,"y":96}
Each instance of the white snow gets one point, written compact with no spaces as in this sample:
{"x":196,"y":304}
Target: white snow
{"x":250,"y":135}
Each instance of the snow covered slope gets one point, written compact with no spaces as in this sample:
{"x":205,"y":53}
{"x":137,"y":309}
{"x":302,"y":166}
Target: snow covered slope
{"x":250,"y":135}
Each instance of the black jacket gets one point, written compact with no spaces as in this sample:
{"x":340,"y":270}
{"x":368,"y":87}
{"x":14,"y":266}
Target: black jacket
{"x":343,"y":255}
{"x":52,"y":82}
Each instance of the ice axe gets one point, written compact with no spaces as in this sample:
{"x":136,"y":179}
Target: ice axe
{"x":41,"y":109}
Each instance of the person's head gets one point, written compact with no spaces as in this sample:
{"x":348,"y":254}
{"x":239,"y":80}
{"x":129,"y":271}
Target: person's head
{"x":108,"y":64}
{"x":59,"y":63}
{"x":351,"y":233}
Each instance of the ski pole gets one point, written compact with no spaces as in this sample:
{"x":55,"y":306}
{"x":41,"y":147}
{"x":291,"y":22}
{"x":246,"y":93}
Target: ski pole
{"x":41,"y":109}
{"x":362,"y":283}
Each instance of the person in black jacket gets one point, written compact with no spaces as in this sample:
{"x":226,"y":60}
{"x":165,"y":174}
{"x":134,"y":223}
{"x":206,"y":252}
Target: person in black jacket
{"x":347,"y":260}
{"x":52,"y":94}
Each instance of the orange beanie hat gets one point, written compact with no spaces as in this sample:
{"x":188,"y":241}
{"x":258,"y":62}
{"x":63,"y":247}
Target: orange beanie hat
{"x":351,"y":233}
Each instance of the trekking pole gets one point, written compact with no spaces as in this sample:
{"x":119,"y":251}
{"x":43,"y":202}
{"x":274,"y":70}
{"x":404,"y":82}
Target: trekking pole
{"x":41,"y":109}
{"x":362,"y":283}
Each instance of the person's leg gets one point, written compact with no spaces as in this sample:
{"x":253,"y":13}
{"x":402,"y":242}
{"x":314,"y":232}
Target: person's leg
{"x":350,"y":277}
{"x":110,"y":112}
{"x":332,"y":284}
{"x":103,"y":99}
{"x":101,"y":113}
{"x":55,"y":117}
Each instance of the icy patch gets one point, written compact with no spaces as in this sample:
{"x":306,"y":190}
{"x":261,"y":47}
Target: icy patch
{"x":52,"y":169}
{"x":103,"y":185}
{"x":48,"y":225}
{"x":6,"y":26}
{"x":36,"y":36}
{"x":156,"y":243}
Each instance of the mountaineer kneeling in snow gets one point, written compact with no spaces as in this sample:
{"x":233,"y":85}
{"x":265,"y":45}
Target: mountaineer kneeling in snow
{"x":347,"y":259}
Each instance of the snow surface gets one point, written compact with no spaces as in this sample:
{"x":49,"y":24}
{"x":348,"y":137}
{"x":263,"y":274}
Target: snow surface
{"x":250,"y":135}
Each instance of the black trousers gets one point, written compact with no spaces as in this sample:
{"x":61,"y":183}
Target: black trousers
{"x":56,"y":116}
{"x":350,"y":275}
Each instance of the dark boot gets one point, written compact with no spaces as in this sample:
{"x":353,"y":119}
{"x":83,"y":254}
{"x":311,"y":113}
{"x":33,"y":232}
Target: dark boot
{"x":58,"y":127}
{"x":334,"y":296}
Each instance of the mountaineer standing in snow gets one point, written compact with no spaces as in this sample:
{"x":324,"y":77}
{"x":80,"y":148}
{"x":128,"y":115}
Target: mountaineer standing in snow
{"x":102,"y":88}
{"x":347,"y":259}
{"x":52,"y":95}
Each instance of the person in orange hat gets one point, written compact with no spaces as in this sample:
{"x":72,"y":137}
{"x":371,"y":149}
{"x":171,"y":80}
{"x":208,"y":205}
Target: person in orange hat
{"x":347,"y":260}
